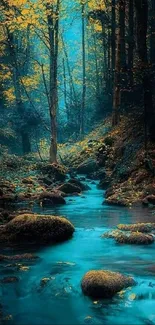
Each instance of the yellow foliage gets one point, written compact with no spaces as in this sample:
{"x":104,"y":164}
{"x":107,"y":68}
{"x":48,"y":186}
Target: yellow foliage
{"x":17,"y":3}
{"x":96,"y":4}
{"x":98,"y":27}
{"x":9,"y":95}
{"x":30,"y":82}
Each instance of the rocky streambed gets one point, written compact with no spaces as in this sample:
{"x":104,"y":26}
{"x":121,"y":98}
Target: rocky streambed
{"x":41,"y":284}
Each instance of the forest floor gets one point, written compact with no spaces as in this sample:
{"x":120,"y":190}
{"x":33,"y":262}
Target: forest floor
{"x":114,"y":156}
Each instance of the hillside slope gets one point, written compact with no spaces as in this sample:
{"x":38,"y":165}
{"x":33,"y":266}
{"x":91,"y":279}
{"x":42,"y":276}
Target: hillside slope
{"x":118,"y":158}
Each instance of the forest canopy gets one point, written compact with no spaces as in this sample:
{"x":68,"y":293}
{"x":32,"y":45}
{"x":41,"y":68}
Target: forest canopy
{"x":66,"y":66}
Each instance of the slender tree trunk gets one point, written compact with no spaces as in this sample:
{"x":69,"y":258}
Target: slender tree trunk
{"x":65,"y":91}
{"x":109,"y":64}
{"x":71,"y":82}
{"x":120,"y":62}
{"x":152,"y":36}
{"x":113,"y":38}
{"x":130,"y":42}
{"x":96,"y":67}
{"x":53,"y":28}
{"x":122,"y":33}
{"x":105,"y":65}
{"x":142,"y":21}
{"x":84,"y":73}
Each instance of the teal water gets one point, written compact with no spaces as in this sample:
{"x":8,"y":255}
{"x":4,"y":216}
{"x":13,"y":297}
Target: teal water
{"x":61,"y":301}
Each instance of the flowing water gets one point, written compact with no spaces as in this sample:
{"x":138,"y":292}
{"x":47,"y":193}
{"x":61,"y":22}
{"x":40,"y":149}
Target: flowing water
{"x":61,"y":301}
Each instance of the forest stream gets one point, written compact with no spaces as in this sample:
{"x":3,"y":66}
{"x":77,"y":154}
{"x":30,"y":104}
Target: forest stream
{"x":77,"y":162}
{"x":48,"y":290}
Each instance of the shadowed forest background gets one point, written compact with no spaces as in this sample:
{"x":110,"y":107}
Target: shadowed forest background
{"x":77,"y":139}
{"x":75,"y":63}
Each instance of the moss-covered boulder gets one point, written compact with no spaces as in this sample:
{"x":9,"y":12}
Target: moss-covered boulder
{"x":78,"y":183}
{"x":135,"y":238}
{"x":112,"y":234}
{"x":104,"y":284}
{"x":116,"y":200}
{"x":69,"y":188}
{"x":88,"y":166}
{"x":33,"y":228}
{"x":141,"y":227}
{"x":51,"y":198}
{"x":54,"y":171}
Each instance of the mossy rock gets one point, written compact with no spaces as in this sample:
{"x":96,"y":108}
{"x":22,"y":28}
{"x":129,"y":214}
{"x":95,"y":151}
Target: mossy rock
{"x":69,"y":188}
{"x":51,"y":198}
{"x":33,"y":228}
{"x":141,"y":227}
{"x":112,"y":234}
{"x":104,"y":284}
{"x":55,"y":171}
{"x":116,"y":200}
{"x":78,"y":183}
{"x":88,"y":166}
{"x":135,"y":238}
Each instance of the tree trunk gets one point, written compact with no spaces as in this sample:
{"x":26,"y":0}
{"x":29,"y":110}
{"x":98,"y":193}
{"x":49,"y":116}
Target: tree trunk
{"x":120,"y":62}
{"x":105,"y":64}
{"x":113,"y":38}
{"x":122,"y":33}
{"x":152,"y":36}
{"x":142,"y":21}
{"x":109,"y":65}
{"x":65,"y":91}
{"x":96,"y":68}
{"x":84,"y":73}
{"x":53,"y":29}
{"x":130,"y":42}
